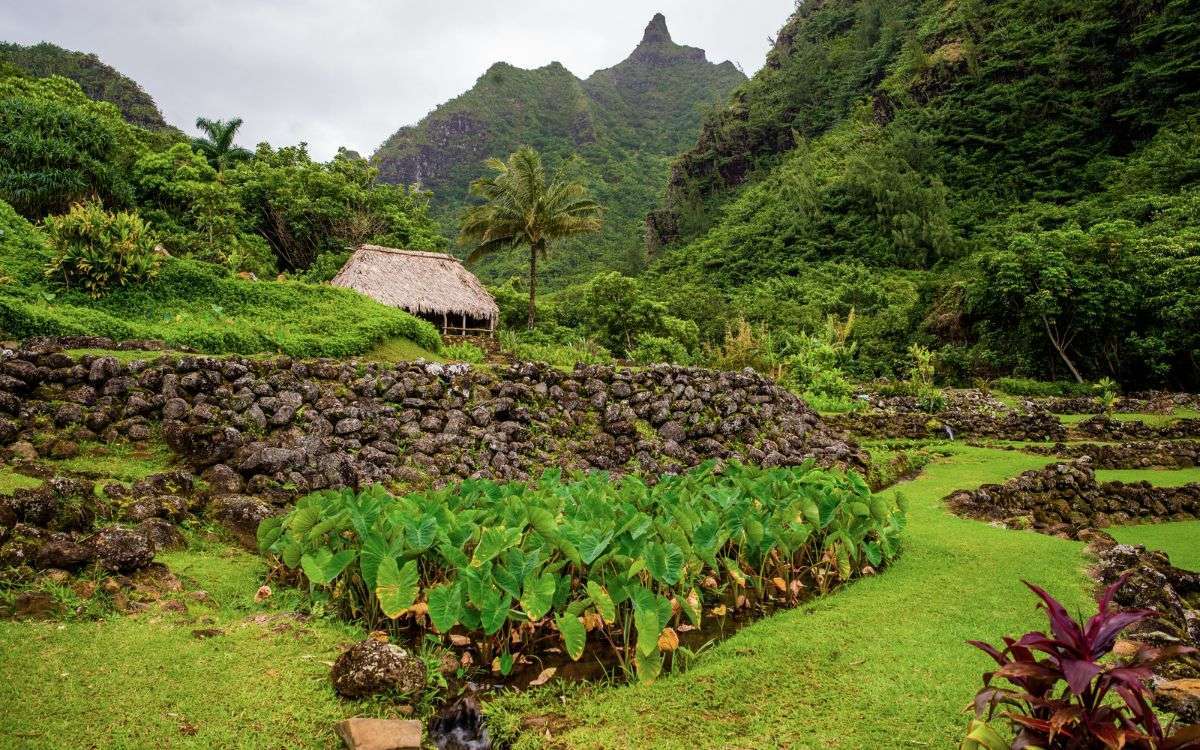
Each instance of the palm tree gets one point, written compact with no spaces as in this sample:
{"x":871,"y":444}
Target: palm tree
{"x":522,"y":210}
{"x":217,"y":145}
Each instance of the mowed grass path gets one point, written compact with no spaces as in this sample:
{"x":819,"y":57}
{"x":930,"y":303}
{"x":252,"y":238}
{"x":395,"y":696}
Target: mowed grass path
{"x":1181,"y":540}
{"x":881,"y":664}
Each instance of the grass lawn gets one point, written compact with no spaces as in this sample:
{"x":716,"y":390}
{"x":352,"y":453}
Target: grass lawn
{"x":1179,"y":540}
{"x":118,"y":461}
{"x":1154,"y":420}
{"x":1157,"y":477}
{"x":399,"y":350}
{"x":880,"y":664}
{"x":10,"y":481}
{"x":144,"y":681}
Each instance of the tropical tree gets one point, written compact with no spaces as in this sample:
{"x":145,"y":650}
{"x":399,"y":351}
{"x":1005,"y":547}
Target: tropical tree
{"x":217,"y":143}
{"x":522,"y":209}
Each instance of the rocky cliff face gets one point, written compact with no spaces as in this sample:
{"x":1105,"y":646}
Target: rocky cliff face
{"x":625,"y":123}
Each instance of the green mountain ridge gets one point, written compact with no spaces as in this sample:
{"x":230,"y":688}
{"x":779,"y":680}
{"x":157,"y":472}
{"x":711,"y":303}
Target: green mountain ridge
{"x":1013,"y":183}
{"x":98,"y":80}
{"x":618,"y":129}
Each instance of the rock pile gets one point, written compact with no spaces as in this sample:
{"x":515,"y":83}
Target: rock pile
{"x":1065,"y":499}
{"x":277,"y":428}
{"x":1104,"y":428}
{"x":1007,"y":425}
{"x":1175,"y":594}
{"x":56,"y":526}
{"x":1169,"y":454}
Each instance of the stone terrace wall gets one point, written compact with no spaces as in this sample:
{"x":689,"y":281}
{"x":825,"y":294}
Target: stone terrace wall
{"x":1174,"y":454}
{"x":1103,"y":428}
{"x":1065,"y":499}
{"x":964,"y":424}
{"x":283,"y":426}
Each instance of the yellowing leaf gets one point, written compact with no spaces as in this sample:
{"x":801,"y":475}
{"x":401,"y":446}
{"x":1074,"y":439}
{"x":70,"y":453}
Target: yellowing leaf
{"x":668,"y":640}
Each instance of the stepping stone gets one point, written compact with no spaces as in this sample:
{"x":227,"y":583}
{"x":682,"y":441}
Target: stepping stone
{"x":380,"y":734}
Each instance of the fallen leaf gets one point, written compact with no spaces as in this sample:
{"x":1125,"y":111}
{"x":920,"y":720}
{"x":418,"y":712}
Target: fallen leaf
{"x":466,"y":659}
{"x":263,"y":593}
{"x":718,"y":611}
{"x":543,"y":676}
{"x":668,"y":640}
{"x":460,"y":640}
{"x":780,"y":584}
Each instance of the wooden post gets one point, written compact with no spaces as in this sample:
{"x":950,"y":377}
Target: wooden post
{"x":445,"y":325}
{"x":464,"y":317}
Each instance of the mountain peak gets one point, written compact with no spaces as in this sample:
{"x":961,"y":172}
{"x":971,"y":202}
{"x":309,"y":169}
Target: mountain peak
{"x":656,"y":31}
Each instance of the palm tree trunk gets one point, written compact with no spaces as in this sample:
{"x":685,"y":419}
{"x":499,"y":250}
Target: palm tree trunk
{"x":533,"y":253}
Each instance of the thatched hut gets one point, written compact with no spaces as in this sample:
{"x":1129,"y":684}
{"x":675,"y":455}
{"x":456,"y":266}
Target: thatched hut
{"x":433,"y":286}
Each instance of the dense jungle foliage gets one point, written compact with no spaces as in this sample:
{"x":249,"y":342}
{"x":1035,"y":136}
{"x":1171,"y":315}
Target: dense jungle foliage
{"x":1012,"y":183}
{"x":143,"y":237}
{"x":617,"y":131}
{"x":99,"y":81}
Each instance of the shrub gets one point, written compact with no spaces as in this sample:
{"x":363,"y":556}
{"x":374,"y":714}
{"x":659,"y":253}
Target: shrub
{"x":97,"y":250}
{"x":1068,"y":699}
{"x":511,"y":563}
{"x":1040,"y":388}
{"x":616,"y":312}
{"x":568,"y":351}
{"x":920,"y":380}
{"x":658,"y":349}
{"x":464,"y":352}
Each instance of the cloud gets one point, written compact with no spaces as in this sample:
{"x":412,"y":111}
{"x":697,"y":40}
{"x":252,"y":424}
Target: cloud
{"x":350,"y":73}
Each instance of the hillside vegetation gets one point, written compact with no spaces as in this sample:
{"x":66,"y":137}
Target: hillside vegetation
{"x":99,"y":81}
{"x":616,"y":131}
{"x":1013,"y":183}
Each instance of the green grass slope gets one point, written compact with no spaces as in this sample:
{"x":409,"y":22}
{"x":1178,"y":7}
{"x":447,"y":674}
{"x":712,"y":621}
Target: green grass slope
{"x":141,"y":681}
{"x":195,"y":304}
{"x":1181,"y":541}
{"x":880,"y":664}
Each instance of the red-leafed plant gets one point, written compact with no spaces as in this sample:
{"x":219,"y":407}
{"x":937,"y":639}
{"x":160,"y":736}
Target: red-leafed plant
{"x":1062,"y":697}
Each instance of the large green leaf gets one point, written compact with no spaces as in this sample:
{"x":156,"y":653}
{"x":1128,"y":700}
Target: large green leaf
{"x":445,"y":606}
{"x":574,"y":635}
{"x":604,"y":603}
{"x":493,"y":611}
{"x":421,"y":534}
{"x":649,"y":666}
{"x":648,"y":627}
{"x":538,"y":595}
{"x":268,"y":532}
{"x":396,"y":587}
{"x":375,"y":549}
{"x":322,"y":566}
{"x":492,"y":542}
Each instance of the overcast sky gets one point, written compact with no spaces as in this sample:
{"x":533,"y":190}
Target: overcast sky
{"x":350,"y":73}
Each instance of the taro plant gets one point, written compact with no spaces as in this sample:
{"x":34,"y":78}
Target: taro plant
{"x":512,"y":568}
{"x":1064,"y":695}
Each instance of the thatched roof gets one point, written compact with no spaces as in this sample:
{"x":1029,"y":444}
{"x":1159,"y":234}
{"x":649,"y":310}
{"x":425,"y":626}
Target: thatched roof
{"x":416,"y":281}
